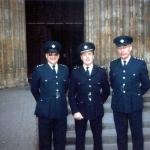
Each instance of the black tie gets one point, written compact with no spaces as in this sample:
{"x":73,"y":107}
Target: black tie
{"x":124,"y":63}
{"x":54,"y":69}
{"x":87,"y":71}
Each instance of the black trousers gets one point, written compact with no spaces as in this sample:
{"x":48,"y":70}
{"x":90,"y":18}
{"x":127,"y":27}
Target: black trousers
{"x":121,"y":123}
{"x":52,"y":130}
{"x":96,"y":127}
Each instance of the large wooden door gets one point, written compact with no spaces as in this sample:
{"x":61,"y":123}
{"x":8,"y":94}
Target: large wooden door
{"x":61,"y":20}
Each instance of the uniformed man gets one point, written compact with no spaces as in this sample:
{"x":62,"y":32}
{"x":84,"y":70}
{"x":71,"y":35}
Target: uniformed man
{"x":129,"y":81}
{"x":88,"y":90}
{"x":49,"y":85}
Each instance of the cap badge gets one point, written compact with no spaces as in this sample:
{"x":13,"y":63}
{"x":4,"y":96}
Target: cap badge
{"x":85,"y":47}
{"x":53,"y":46}
{"x":122,"y":41}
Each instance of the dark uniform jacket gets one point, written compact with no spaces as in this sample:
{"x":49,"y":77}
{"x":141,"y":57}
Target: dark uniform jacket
{"x":129,"y":83}
{"x":49,"y":89}
{"x":88,"y":93}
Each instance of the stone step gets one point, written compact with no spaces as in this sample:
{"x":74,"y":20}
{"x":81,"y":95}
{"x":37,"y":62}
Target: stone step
{"x":107,"y":105}
{"x":108,"y":135}
{"x":147,"y":96}
{"x":108,"y":146}
{"x":147,"y":106}
{"x":108,"y":121}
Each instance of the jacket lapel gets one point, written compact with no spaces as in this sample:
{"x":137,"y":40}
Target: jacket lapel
{"x":94,"y":70}
{"x":83,"y":71}
{"x":130,"y":61}
{"x":119,"y":64}
{"x":59,"y":69}
{"x":49,"y":68}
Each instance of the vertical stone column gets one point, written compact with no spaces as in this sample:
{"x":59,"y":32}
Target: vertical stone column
{"x":12,"y":43}
{"x":147,"y":32}
{"x":91,"y":24}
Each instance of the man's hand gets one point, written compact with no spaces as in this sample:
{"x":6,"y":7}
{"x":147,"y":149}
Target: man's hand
{"x":77,"y":116}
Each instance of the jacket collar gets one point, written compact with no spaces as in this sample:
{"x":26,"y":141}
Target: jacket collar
{"x":94,"y":70}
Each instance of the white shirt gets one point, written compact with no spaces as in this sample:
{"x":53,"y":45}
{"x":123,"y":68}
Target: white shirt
{"x":56,"y":67}
{"x":89,"y":68}
{"x":127,"y":60}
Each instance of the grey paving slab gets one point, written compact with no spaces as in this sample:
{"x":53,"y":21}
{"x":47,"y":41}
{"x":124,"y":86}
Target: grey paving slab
{"x":17,"y":122}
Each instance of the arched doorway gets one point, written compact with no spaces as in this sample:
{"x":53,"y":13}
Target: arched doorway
{"x":61,"y":20}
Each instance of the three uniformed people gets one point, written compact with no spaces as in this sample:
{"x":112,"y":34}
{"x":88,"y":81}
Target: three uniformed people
{"x":49,"y":86}
{"x":129,"y":81}
{"x":88,"y":90}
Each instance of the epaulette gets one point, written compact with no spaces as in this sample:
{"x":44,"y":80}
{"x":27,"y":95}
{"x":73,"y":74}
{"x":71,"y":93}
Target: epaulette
{"x":39,"y":65}
{"x":103,"y":67}
{"x":115,"y":59}
{"x":76,"y":67}
{"x":98,"y":66}
{"x":138,"y":58}
{"x":63,"y":65}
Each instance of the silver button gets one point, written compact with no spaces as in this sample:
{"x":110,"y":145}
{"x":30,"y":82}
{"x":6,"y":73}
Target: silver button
{"x":56,"y":77}
{"x":89,"y":93}
{"x":124,"y":77}
{"x":124,"y":91}
{"x":123,"y":84}
{"x":90,"y":86}
{"x":90,"y":99}
{"x":57,"y":83}
{"x":124,"y":71}
{"x":89,"y":79}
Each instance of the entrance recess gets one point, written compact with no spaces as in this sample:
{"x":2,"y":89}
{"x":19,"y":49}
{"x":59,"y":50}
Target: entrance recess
{"x":61,"y":20}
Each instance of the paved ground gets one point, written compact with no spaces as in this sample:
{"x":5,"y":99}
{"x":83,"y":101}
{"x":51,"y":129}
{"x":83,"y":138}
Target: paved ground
{"x":18,"y":130}
{"x":17,"y":122}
